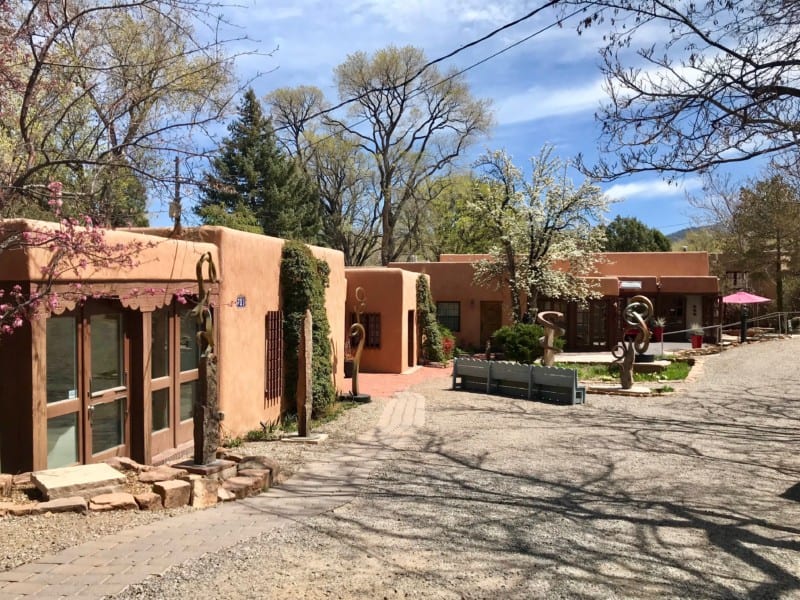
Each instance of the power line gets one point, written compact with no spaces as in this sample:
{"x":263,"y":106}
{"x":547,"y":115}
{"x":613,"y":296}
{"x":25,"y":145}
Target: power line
{"x":444,"y":57}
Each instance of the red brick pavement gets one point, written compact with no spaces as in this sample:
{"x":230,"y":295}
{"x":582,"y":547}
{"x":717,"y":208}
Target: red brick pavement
{"x":382,"y":385}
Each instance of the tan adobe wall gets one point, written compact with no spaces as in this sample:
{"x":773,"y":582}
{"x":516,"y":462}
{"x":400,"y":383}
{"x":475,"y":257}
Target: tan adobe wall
{"x":391,"y":293}
{"x":452,"y":282}
{"x":160,"y":260}
{"x":250,"y":268}
{"x":656,"y":264}
{"x":628,"y":264}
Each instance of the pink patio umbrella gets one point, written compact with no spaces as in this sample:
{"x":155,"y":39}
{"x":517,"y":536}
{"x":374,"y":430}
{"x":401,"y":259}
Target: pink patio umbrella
{"x":744,"y":298}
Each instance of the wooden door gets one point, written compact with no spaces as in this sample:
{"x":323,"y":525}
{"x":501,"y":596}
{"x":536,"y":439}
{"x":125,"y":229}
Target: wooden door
{"x":491,"y":319}
{"x":106,"y":399}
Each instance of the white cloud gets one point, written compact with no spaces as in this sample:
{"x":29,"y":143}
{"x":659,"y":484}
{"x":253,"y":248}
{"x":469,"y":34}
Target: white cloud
{"x":652,"y":188}
{"x":540,"y":102}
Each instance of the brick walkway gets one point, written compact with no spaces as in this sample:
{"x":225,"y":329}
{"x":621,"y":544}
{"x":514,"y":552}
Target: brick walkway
{"x":106,"y":566}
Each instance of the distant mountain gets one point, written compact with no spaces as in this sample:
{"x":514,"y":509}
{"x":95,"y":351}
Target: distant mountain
{"x":682,"y":233}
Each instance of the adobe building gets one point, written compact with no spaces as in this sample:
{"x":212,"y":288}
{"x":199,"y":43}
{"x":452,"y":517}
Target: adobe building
{"x":679,"y":284}
{"x":389,"y":317}
{"x":117,"y":374}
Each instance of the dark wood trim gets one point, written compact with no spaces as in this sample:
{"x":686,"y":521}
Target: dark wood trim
{"x":16,"y":394}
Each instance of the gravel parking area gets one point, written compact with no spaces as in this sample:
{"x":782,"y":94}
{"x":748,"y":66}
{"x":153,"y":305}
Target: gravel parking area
{"x":693,"y":495}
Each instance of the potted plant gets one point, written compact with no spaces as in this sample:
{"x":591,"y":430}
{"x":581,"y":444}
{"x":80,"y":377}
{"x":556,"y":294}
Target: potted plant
{"x":658,"y":329}
{"x":696,"y":333}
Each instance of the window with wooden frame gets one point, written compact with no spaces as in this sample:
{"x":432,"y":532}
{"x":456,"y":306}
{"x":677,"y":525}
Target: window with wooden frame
{"x":448,"y":314}
{"x":273,"y":358}
{"x":372,"y":329}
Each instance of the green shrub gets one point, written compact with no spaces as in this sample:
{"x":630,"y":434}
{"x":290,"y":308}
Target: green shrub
{"x":429,"y":327}
{"x":520,"y":342}
{"x":303,"y":283}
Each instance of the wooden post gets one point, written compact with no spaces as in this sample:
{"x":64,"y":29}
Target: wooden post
{"x":304,"y":378}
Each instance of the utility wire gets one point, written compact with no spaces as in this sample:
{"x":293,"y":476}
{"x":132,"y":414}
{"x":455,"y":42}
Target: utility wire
{"x":435,"y":61}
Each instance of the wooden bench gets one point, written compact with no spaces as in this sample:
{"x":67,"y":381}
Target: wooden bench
{"x":556,"y":384}
{"x":550,"y":384}
{"x":510,"y":378}
{"x":472,"y":373}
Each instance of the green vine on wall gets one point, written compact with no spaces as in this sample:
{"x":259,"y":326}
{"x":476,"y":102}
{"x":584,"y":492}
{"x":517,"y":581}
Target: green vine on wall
{"x":426,"y":312}
{"x":303,"y":282}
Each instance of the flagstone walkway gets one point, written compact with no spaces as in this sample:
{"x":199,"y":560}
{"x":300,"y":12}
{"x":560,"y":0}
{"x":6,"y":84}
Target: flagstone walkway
{"x":108,"y":565}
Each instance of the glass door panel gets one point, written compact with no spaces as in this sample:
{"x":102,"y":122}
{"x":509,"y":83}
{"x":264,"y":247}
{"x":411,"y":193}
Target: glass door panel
{"x":161,"y":418}
{"x":107,"y":403}
{"x":62,"y":359}
{"x":62,"y":441}
{"x":63,"y":400}
{"x":107,"y":349}
{"x":107,"y":421}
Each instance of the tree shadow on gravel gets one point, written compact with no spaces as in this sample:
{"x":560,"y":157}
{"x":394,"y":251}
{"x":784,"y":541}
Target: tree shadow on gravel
{"x":519,"y":499}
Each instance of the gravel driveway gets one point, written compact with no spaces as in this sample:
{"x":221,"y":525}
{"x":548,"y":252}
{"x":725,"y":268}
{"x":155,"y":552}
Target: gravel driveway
{"x":677,"y":496}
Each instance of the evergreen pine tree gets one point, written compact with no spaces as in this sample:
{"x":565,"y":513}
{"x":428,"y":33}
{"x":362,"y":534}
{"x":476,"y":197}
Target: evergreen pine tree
{"x":252,"y":178}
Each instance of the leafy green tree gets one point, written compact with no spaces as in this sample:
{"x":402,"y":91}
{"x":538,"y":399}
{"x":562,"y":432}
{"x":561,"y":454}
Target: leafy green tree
{"x":545,"y":227}
{"x":339,"y":168}
{"x":96,"y":94}
{"x":629,"y":234}
{"x":418,"y":122}
{"x":303,"y":282}
{"x":252,"y":176}
{"x":766,"y":223}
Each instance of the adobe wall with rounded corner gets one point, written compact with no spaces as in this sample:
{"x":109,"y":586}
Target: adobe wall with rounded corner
{"x":391,"y":293}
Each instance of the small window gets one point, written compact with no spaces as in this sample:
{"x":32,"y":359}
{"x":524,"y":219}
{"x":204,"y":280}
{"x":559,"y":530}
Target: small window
{"x":449,"y":315}
{"x":372,"y":329}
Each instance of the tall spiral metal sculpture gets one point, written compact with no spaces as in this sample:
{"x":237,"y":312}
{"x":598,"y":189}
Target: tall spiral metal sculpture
{"x":635,"y":314}
{"x":357,"y":331}
{"x":551,"y":331}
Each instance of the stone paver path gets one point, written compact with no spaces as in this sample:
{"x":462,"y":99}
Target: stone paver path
{"x":108,"y":565}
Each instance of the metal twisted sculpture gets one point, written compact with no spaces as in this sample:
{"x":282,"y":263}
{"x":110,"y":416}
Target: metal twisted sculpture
{"x":357,"y":331}
{"x":635,"y":314}
{"x":551,"y":331}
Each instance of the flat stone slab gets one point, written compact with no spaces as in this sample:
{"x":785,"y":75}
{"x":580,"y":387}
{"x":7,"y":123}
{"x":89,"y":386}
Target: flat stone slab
{"x":241,"y":487}
{"x":162,"y":473}
{"x":82,"y":480}
{"x":6,"y":483}
{"x":261,"y":462}
{"x":615,"y":389}
{"x":217,"y":469}
{"x":174,"y":493}
{"x":314,"y":438}
{"x":118,"y":501}
{"x":148,"y":501}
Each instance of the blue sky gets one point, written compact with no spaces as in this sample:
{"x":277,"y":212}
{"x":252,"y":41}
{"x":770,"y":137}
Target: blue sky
{"x":545,"y":90}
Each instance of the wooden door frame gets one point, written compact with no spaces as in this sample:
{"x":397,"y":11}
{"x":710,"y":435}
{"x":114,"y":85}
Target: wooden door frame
{"x":91,"y":399}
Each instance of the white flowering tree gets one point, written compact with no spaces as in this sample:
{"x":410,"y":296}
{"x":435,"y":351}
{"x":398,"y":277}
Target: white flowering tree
{"x":546,"y":235}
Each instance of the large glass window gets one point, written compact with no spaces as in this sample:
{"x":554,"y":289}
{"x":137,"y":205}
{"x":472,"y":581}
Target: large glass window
{"x":449,"y":315}
{"x":62,"y":359}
